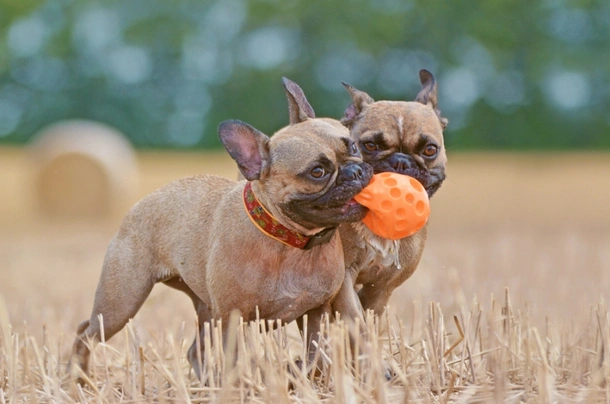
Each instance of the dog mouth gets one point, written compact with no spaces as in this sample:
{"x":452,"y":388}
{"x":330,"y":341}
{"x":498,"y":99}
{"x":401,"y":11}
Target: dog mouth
{"x":350,"y":203}
{"x":334,"y":207}
{"x":350,"y":211}
{"x":353,"y":208}
{"x":431,"y":179}
{"x":342,"y":209}
{"x":315,"y":215}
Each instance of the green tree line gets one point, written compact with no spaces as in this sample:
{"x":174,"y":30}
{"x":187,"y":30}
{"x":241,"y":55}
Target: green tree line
{"x":511,"y":74}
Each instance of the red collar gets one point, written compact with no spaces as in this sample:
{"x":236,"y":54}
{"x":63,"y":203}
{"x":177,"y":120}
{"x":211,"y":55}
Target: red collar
{"x":269,"y":225}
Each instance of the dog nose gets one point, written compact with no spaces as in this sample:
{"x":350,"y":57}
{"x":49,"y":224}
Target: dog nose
{"x":400,"y":163}
{"x":351,"y":172}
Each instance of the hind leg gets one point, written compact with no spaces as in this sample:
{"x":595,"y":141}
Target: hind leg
{"x":120,"y":293}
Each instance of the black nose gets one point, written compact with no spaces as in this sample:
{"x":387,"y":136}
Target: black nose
{"x":351,"y":172}
{"x":400,"y":162}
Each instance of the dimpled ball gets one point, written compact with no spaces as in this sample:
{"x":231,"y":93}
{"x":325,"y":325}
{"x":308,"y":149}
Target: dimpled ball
{"x":398,"y":205}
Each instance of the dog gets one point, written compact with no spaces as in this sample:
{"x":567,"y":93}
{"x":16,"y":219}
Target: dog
{"x":268,"y":244}
{"x":405,"y":137}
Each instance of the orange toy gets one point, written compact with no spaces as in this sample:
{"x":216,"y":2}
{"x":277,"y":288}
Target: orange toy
{"x":398,"y":205}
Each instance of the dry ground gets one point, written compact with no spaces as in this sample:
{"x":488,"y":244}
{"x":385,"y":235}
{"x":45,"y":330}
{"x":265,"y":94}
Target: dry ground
{"x":535,"y":225}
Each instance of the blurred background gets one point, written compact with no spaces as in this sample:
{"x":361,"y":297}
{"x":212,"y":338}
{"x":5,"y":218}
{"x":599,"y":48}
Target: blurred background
{"x":512,"y":74}
{"x":102,"y":102}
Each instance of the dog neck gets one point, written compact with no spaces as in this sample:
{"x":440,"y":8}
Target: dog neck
{"x":270,"y":226}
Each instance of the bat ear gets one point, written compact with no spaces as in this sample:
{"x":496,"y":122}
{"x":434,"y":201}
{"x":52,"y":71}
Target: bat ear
{"x":248,"y":146}
{"x":298,"y":106}
{"x":428,"y":94}
{"x":360,"y":100}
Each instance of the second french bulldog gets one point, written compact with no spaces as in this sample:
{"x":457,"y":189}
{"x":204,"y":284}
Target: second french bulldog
{"x":405,"y":137}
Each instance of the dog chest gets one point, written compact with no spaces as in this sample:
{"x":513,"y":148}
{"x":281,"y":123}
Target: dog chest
{"x":374,"y":253}
{"x":282,"y":286}
{"x":305,"y":285}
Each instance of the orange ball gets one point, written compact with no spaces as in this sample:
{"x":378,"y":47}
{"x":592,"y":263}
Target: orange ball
{"x":398,"y":205}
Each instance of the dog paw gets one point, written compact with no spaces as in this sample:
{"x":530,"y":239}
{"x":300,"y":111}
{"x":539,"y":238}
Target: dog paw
{"x":388,"y":371}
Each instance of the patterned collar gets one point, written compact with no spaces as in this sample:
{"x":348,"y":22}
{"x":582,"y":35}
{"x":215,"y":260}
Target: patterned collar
{"x":269,"y":225}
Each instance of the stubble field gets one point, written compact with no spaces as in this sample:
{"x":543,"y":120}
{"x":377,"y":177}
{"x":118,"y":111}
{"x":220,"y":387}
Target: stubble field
{"x":507,"y":304}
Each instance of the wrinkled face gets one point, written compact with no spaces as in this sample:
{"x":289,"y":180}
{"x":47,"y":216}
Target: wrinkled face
{"x":402,"y":137}
{"x":314,"y":173}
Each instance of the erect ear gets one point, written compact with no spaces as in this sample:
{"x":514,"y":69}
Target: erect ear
{"x":247,"y":146}
{"x":360,"y":100}
{"x":298,"y":106}
{"x":428,"y":94}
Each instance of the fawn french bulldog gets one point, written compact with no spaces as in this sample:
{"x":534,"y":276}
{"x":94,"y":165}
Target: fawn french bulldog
{"x":405,"y":137}
{"x":268,"y":242}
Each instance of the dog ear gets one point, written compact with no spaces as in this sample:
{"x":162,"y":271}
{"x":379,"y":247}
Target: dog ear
{"x":428,"y":94}
{"x":248,"y":146}
{"x":360,"y":100}
{"x":298,"y":106}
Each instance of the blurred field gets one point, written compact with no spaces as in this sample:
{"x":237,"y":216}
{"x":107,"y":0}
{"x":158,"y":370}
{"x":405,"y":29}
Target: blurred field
{"x":538,"y":225}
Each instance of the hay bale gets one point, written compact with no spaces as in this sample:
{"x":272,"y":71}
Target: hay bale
{"x":83,"y":169}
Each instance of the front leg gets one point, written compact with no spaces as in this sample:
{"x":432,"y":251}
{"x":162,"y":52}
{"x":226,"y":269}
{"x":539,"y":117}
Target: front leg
{"x":347,"y":303}
{"x":196,"y":351}
{"x":311,"y":336}
{"x":375,"y":296}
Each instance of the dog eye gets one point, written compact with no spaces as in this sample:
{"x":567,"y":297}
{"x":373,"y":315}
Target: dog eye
{"x":430,"y":150}
{"x":369,"y":146}
{"x":318,"y":172}
{"x":354,"y":149}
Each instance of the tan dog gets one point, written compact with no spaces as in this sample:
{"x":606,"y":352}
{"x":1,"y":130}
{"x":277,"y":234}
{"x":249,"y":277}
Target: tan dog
{"x":220,"y":242}
{"x":402,"y":137}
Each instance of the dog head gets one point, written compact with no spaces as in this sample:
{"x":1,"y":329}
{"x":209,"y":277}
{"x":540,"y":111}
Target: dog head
{"x":307,"y":174}
{"x":400,"y":136}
